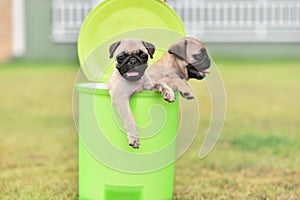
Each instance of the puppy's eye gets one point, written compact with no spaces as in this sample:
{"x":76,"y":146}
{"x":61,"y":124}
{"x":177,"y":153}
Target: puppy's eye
{"x":144,"y":57}
{"x":121,"y":58}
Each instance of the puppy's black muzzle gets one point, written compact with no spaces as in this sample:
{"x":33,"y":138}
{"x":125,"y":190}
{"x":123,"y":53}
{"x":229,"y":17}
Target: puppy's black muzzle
{"x":132,"y":66}
{"x":198,"y":70}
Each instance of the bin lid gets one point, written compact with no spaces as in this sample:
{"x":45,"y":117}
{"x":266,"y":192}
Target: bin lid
{"x":112,"y":20}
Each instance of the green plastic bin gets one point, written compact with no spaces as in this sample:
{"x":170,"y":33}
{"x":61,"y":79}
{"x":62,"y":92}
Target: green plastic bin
{"x":109,"y":169}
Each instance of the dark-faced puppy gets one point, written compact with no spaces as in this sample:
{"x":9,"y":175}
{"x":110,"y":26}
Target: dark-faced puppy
{"x":132,"y":57}
{"x":186,"y":58}
{"x":129,"y":77}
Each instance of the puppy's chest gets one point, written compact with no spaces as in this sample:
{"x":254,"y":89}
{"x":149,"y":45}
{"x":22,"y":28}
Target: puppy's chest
{"x":137,"y":86}
{"x":169,"y":74}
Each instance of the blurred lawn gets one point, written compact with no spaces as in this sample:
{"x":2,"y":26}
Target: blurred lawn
{"x":257,"y":156}
{"x":38,"y":142}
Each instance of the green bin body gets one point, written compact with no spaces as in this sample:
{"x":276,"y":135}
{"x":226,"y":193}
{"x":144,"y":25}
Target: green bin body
{"x":109,"y":169}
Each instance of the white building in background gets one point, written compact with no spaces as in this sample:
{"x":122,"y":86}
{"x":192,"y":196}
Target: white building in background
{"x":208,"y":20}
{"x":35,"y":29}
{"x":19,"y":43}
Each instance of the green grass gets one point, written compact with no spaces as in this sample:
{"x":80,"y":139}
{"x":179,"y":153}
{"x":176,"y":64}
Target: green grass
{"x":38,"y":142}
{"x":256,"y":157}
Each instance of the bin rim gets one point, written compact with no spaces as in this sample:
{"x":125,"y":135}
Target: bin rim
{"x":101,"y":89}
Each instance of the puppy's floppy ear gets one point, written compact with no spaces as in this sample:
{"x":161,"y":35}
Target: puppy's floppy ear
{"x":113,"y":48}
{"x":150,"y":48}
{"x":178,"y":49}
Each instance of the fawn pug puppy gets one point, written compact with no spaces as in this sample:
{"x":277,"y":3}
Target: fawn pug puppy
{"x":186,"y":58}
{"x":129,"y":77}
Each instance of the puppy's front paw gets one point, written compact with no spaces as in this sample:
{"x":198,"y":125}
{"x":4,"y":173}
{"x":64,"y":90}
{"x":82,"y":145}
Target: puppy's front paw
{"x":187,"y":95}
{"x":167,"y":93}
{"x":169,"y":96}
{"x":134,"y":141}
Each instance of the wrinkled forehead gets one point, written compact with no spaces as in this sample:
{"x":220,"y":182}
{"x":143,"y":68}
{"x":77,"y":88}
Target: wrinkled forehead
{"x":130,"y":46}
{"x":194,"y":47}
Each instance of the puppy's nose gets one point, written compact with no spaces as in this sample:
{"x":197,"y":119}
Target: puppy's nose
{"x":132,"y":61}
{"x":203,"y":50}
